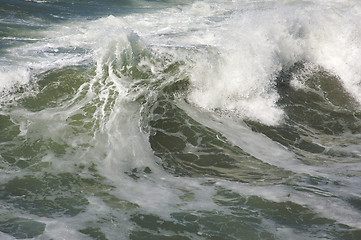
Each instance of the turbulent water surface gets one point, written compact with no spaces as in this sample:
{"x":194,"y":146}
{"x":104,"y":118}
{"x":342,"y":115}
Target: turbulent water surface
{"x":169,"y":119}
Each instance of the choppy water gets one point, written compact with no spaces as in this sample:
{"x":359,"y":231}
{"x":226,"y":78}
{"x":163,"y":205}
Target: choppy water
{"x":178,"y":120}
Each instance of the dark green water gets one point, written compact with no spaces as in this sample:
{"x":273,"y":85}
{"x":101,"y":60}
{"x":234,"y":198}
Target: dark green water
{"x":180,"y":120}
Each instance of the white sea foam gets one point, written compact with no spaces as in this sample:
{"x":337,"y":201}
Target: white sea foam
{"x":251,"y":45}
{"x":337,"y":46}
{"x":240,"y":49}
{"x":246,"y":48}
{"x":11,"y":76}
{"x":232,"y":53}
{"x":254,"y":46}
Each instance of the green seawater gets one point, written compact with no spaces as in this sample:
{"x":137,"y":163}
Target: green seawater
{"x":101,"y":140}
{"x":41,"y":189}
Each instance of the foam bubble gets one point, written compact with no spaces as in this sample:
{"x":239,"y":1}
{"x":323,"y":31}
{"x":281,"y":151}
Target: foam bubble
{"x":254,"y":46}
{"x":336,"y":46}
{"x":12,"y":76}
{"x":252,"y":51}
{"x":232,"y":62}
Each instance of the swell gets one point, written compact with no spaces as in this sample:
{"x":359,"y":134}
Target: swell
{"x":105,"y":136}
{"x":321,"y":115}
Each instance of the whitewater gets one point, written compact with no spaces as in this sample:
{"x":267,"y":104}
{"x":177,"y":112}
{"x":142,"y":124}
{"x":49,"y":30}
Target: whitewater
{"x":173,"y":119}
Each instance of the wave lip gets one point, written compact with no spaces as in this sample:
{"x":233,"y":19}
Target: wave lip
{"x":255,"y":46}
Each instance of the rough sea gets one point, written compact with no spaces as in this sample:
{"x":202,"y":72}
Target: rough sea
{"x":176,"y":120}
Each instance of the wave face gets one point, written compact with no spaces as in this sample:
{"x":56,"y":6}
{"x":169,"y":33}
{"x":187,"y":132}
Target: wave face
{"x":176,"y":119}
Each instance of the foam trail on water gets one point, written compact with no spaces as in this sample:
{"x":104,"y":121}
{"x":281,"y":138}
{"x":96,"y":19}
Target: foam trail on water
{"x":342,"y":212}
{"x":230,"y":54}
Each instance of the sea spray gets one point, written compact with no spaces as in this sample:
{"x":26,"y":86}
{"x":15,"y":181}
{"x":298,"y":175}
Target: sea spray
{"x":181,"y":120}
